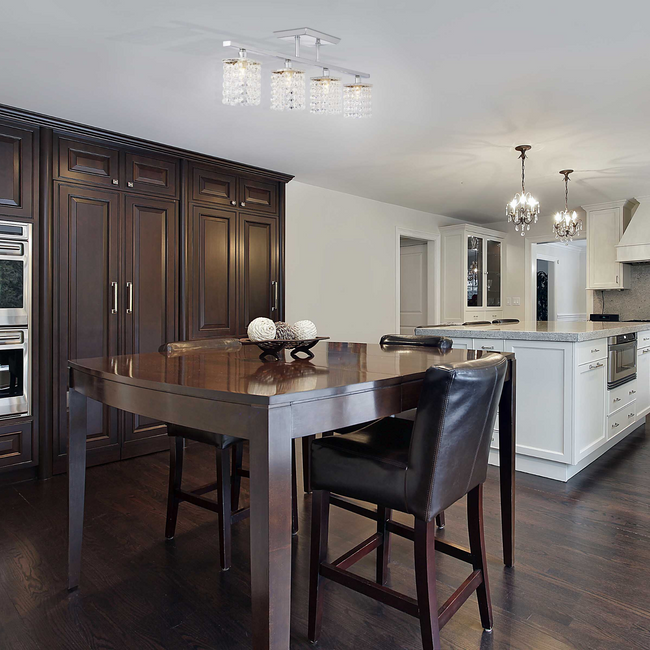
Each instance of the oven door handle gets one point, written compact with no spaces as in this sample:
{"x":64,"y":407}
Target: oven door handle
{"x":10,"y":338}
{"x":15,"y":250}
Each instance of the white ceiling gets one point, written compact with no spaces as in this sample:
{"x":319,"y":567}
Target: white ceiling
{"x":456,"y":86}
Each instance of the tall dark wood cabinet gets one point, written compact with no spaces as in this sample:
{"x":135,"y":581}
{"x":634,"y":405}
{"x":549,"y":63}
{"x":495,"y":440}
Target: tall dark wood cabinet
{"x":135,"y":244}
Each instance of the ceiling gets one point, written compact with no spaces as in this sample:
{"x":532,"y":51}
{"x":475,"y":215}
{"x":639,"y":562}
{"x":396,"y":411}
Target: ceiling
{"x":456,"y":87}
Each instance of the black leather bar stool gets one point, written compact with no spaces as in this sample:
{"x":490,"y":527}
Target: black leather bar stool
{"x":420,"y":468}
{"x":499,"y":321}
{"x":477,"y":322}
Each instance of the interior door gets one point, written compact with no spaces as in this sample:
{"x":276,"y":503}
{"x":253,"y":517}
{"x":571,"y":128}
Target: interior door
{"x":148,"y":307}
{"x":413,"y":287}
{"x":88,"y":303}
{"x":259,"y":259}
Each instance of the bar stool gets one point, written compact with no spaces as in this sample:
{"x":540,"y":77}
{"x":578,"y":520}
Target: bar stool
{"x":477,"y":322}
{"x":499,"y":321}
{"x":418,"y":468}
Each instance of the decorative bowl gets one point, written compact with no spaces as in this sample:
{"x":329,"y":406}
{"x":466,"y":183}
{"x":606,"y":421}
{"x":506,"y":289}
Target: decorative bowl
{"x":271,"y":349}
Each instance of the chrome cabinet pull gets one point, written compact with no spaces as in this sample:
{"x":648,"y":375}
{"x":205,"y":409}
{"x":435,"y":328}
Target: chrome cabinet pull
{"x":630,"y":415}
{"x":129,"y":183}
{"x":233,"y":203}
{"x":598,"y":365}
{"x":595,"y":350}
{"x":616,"y":424}
{"x":618,"y":399}
{"x":274,"y":288}
{"x":114,"y":287}
{"x":243,"y":205}
{"x":129,"y":288}
{"x":646,"y":351}
{"x":487,"y":347}
{"x":632,"y":392}
{"x":115,"y":181}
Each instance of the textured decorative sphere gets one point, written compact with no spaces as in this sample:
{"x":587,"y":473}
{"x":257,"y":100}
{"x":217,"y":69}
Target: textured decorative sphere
{"x":305,"y":329}
{"x":284,"y":331}
{"x":261,"y":329}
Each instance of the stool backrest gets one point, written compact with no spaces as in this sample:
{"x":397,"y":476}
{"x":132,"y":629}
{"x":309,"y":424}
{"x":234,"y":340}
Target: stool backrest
{"x":424,"y":340}
{"x":452,"y":433}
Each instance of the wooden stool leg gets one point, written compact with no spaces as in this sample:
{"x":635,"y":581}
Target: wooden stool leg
{"x":477,"y":548}
{"x":306,"y":463}
{"x":440,"y":520}
{"x":294,"y":490}
{"x":320,"y":512}
{"x":237,"y":462}
{"x":383,"y":550}
{"x":176,"y":451}
{"x":225,"y":513}
{"x":425,"y":582}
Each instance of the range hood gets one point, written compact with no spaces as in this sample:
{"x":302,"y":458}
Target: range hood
{"x":635,"y":242}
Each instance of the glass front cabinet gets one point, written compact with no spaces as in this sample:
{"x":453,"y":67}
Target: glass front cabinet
{"x":472,"y":274}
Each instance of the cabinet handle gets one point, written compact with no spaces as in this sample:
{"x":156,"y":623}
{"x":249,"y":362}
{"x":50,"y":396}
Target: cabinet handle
{"x":115,"y":181}
{"x":598,"y":365}
{"x":617,"y":279}
{"x":487,"y":347}
{"x":274,"y":284}
{"x":618,"y":399}
{"x":129,"y":288}
{"x":233,"y":203}
{"x":595,"y":350}
{"x":632,"y":392}
{"x":243,"y":205}
{"x":646,"y":351}
{"x":630,"y":415}
{"x":130,"y":183}
{"x":114,"y":288}
{"x":616,"y":424}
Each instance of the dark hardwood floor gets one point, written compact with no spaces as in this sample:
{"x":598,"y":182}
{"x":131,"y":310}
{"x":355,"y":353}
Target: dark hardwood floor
{"x":582,"y":578}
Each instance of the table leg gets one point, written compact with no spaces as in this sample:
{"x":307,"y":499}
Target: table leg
{"x":507,"y":449}
{"x":270,"y":532}
{"x":76,"y":484}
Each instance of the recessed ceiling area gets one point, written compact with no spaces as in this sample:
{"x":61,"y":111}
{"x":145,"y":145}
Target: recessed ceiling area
{"x":455,"y":87}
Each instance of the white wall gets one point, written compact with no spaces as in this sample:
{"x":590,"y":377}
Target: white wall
{"x":340,"y":260}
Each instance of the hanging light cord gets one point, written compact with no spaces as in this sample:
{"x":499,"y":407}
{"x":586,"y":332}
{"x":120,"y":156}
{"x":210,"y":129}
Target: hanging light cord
{"x":566,"y":193}
{"x":523,"y":162}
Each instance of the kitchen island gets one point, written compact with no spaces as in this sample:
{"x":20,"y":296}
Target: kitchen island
{"x":566,"y":416}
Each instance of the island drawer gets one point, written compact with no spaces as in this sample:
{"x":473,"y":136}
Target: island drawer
{"x":587,"y":351}
{"x":621,"y":419}
{"x":620,"y":396}
{"x":643,"y":339}
{"x":490,"y":345}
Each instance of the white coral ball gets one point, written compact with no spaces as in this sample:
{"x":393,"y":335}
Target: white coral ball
{"x":305,"y":329}
{"x":261,"y":329}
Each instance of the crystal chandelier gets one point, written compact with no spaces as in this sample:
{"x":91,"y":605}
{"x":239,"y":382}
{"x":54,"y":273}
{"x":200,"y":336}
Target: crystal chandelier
{"x":242,"y":81}
{"x":325,"y":94}
{"x":357,"y":99}
{"x":567,"y":225}
{"x":287,"y":89}
{"x":523,"y":209}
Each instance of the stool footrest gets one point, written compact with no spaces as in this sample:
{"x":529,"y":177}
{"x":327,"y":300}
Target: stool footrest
{"x":447,"y":548}
{"x":351,"y":506}
{"x":358,"y":552}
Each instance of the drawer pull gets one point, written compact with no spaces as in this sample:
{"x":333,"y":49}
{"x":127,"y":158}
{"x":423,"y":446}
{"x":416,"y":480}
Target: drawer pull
{"x":616,"y":424}
{"x":632,"y":392}
{"x":646,"y":350}
{"x":630,"y":415}
{"x":595,"y":350}
{"x":617,"y":399}
{"x":598,"y":365}
{"x":487,"y":347}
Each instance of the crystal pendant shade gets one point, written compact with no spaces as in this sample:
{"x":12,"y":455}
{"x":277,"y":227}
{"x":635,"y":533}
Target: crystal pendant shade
{"x":523,"y":209}
{"x":242,"y":81}
{"x":288,"y":90}
{"x":357,"y":100}
{"x":325,"y":95}
{"x":567,"y":224}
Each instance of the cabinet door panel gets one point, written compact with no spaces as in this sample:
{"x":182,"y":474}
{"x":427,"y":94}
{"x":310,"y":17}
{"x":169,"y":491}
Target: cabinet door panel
{"x":212,"y":186}
{"x":16,"y":171}
{"x":83,"y":161}
{"x":604,"y":233}
{"x":149,"y":304}
{"x":213,"y":273}
{"x":258,"y":196}
{"x":590,"y":408}
{"x":259,"y":268}
{"x":88,"y":257}
{"x":18,"y":446}
{"x":152,"y":175}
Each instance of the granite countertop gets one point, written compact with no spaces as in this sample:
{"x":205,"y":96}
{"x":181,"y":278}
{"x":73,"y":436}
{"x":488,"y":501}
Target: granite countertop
{"x":567,"y":331}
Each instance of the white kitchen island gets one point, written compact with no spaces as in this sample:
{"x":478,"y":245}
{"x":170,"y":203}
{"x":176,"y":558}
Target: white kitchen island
{"x":566,"y":416}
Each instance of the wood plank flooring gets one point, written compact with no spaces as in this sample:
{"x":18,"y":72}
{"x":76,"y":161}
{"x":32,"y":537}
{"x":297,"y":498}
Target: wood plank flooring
{"x":582,"y":578}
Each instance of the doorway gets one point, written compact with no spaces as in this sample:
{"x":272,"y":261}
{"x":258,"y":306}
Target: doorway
{"x":545,"y":289}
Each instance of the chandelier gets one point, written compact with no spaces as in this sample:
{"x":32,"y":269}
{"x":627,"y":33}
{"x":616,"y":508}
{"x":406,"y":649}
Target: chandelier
{"x":567,"y":225}
{"x":242,"y":79}
{"x":523,"y":209}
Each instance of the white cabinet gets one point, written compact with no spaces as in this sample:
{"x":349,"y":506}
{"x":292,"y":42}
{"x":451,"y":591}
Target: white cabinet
{"x":643,"y":382}
{"x":605,"y":225}
{"x":472,"y":273}
{"x":462,"y":344}
{"x":590,"y":408}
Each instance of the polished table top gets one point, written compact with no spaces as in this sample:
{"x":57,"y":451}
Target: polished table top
{"x":336,"y":368}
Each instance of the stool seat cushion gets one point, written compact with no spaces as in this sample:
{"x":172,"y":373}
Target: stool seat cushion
{"x":369,"y":464}
{"x":218,"y":440}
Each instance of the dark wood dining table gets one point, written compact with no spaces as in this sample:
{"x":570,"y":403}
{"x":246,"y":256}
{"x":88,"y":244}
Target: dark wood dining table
{"x":269,"y":404}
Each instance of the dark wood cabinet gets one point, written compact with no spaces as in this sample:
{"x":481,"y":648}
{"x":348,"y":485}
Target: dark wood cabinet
{"x":18,"y":445}
{"x":213,"y":185}
{"x":150,"y":302}
{"x":87,"y":162}
{"x":87,"y":303}
{"x":16,"y":170}
{"x":151,"y":175}
{"x":258,"y":196}
{"x":212,"y":270}
{"x":259,"y":268}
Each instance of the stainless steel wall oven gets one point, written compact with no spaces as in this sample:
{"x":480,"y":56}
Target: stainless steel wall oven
{"x":15,"y":273}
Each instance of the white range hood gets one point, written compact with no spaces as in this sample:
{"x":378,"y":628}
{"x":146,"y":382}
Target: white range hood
{"x":635,"y":242}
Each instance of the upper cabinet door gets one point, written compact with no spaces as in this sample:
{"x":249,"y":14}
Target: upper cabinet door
{"x":82,"y":161}
{"x":475,"y":271}
{"x":212,"y":273}
{"x":153,"y":175}
{"x":258,"y":196}
{"x":260,"y":268}
{"x":16,"y":171}
{"x":210,"y":185}
{"x":493,"y":264}
{"x":604,"y":230}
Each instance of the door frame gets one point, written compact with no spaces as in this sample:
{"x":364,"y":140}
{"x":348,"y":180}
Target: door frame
{"x":433,"y":272}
